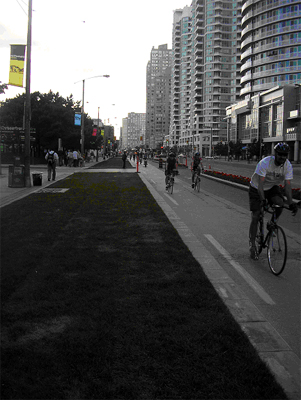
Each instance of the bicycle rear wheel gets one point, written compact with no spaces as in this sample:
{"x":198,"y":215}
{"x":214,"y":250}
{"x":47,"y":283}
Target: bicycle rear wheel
{"x":170,"y":187}
{"x":198,"y":184}
{"x":277,"y":250}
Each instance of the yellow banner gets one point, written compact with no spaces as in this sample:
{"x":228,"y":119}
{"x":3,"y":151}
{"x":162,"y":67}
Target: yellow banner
{"x":16,"y":70}
{"x":102,"y":133}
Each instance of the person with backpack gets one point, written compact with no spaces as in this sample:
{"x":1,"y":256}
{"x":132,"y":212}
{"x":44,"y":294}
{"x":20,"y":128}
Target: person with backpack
{"x":51,"y":158}
{"x":124,"y":157}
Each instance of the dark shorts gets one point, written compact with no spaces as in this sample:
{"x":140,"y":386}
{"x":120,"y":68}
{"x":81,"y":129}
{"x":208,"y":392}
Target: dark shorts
{"x":254,"y":198}
{"x":169,"y":171}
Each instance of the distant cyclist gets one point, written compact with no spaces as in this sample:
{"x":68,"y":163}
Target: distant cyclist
{"x":197,"y":166}
{"x":170,"y":166}
{"x":264,"y":189}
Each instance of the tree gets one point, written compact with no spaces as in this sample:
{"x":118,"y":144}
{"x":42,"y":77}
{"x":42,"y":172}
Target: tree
{"x":221,"y":149}
{"x":3,"y":87}
{"x":52,"y":116}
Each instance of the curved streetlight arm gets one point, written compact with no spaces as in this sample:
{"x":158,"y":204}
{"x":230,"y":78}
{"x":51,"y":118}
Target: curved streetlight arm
{"x":97,"y":76}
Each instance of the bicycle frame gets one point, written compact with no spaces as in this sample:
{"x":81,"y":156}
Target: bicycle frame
{"x":275,"y":241}
{"x":272,"y":223}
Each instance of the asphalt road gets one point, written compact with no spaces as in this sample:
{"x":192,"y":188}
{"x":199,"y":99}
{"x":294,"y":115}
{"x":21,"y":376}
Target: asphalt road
{"x":219,"y":217}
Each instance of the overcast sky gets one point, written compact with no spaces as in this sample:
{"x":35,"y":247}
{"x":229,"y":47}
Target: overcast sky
{"x":74,"y":40}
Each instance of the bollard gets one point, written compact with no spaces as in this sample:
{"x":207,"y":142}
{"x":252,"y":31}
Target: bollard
{"x":209,"y":166}
{"x":160,"y":163}
{"x":137,"y":164}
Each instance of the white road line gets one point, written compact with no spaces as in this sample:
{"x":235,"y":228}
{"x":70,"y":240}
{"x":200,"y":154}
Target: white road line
{"x":171,"y":199}
{"x":248,"y":278}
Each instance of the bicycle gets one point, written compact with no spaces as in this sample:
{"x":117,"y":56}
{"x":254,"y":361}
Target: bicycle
{"x":170,"y":182}
{"x":197,"y":180}
{"x":275,"y":241}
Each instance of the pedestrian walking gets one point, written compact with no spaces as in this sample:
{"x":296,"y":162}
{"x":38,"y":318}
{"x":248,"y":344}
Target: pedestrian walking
{"x":52,"y":159}
{"x":123,"y":158}
{"x":75,"y":158}
{"x":70,"y":158}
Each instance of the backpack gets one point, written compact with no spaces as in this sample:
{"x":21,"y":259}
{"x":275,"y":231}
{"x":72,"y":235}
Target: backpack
{"x":196,"y":161}
{"x":50,"y":158}
{"x":171,"y":163}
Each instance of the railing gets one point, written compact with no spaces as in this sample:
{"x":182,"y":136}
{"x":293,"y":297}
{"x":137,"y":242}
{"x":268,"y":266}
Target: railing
{"x":279,"y":57}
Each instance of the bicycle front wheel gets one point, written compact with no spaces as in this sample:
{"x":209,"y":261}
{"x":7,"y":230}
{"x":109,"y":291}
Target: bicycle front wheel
{"x":170,"y":186}
{"x":277,"y":250}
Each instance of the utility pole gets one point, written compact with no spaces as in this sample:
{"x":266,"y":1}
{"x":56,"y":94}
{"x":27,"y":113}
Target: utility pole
{"x":28,"y":100}
{"x":82,"y":130}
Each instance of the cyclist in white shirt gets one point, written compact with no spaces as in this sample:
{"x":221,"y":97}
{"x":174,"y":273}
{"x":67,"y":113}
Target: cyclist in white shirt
{"x":270,"y":172}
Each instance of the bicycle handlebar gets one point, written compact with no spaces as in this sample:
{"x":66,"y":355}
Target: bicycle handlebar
{"x":271,"y":207}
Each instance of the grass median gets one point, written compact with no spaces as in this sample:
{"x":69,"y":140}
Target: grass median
{"x":101,"y":299}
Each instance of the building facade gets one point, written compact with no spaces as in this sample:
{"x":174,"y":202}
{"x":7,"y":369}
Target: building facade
{"x":205,"y":72}
{"x":267,"y":118}
{"x":133,"y":131}
{"x":181,"y":106}
{"x":270,"y":45}
{"x":158,"y":96}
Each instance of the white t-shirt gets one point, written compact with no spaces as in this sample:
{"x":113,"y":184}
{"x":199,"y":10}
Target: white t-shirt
{"x":273,"y":175}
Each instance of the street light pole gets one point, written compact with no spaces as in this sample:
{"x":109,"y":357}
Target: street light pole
{"x":28,"y":101}
{"x":210,"y":149}
{"x":82,"y":131}
{"x":82,"y":128}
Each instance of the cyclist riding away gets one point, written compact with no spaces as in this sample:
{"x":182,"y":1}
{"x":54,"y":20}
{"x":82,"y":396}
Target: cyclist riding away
{"x":170,"y":166}
{"x":196,"y":166}
{"x":264,"y":189}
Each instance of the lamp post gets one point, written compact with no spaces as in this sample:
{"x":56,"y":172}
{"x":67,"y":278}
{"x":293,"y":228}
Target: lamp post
{"x":82,"y":130}
{"x":210,"y":148}
{"x":28,"y":99}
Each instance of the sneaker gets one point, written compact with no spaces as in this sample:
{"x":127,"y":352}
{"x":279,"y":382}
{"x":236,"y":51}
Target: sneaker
{"x":192,"y":186}
{"x":253,"y":253}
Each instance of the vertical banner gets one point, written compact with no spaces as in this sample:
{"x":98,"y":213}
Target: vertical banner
{"x":77,"y":119}
{"x":16,"y":70}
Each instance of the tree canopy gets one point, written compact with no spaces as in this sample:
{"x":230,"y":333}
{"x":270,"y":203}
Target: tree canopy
{"x":52,"y":116}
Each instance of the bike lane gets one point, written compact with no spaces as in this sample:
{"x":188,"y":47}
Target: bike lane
{"x":215,"y":230}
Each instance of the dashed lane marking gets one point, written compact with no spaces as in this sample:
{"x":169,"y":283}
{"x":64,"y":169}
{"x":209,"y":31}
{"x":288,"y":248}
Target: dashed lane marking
{"x":171,"y":199}
{"x":247,"y":277}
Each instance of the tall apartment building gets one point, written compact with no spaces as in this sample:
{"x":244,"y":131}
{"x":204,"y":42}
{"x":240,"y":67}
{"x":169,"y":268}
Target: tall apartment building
{"x":158,"y":96}
{"x":124,"y":132}
{"x":205,"y":71}
{"x":133,"y":130}
{"x":182,"y":64}
{"x":270,"y":45}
